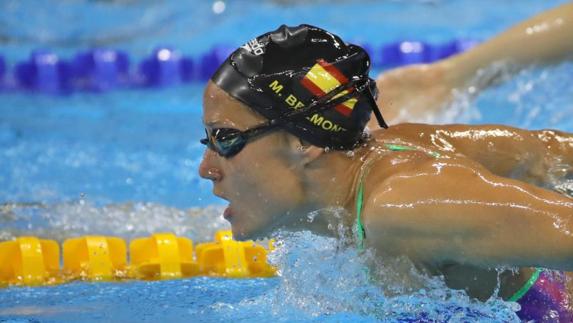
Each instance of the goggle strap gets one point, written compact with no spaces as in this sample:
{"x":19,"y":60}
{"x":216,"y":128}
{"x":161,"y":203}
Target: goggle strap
{"x":375,"y":109}
{"x":317,"y":105}
{"x":323,"y":102}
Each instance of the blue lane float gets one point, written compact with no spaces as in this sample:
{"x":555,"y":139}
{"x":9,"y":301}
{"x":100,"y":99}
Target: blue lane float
{"x":100,"y":70}
{"x":166,"y":67}
{"x":2,"y":69}
{"x":404,"y":53}
{"x":104,"y":69}
{"x":450,"y":48}
{"x":416,"y":52}
{"x":43,"y":72}
{"x":212,"y":59}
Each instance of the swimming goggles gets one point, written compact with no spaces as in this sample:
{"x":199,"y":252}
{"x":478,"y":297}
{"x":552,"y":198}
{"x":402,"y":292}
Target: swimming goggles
{"x":228,"y":142}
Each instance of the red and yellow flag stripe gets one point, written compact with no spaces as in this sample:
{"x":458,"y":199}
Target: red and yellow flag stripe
{"x":323,"y":78}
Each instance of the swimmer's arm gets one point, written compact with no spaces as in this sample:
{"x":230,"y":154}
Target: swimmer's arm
{"x":415,"y":93}
{"x":445,"y":211}
{"x":542,"y":39}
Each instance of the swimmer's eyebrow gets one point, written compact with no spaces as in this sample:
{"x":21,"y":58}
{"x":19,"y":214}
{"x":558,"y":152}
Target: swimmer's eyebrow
{"x":212,"y":124}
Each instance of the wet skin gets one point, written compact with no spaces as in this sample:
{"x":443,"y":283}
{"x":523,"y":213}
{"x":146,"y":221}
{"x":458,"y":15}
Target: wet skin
{"x":468,"y":212}
{"x":536,"y":157}
{"x":458,"y":215}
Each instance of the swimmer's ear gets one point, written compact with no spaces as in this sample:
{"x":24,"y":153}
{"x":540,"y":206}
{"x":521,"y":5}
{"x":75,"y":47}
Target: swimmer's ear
{"x":306,"y":153}
{"x":311,"y":153}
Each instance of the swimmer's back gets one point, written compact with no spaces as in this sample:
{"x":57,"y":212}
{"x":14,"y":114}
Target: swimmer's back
{"x":505,"y":151}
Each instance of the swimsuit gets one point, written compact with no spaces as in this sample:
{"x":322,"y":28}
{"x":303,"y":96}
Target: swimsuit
{"x":543,"y":297}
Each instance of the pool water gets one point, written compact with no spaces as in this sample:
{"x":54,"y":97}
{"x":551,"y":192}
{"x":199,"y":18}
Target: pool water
{"x":125,"y":162}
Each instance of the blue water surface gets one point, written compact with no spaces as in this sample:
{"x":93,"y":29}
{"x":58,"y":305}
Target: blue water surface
{"x":125,"y":162}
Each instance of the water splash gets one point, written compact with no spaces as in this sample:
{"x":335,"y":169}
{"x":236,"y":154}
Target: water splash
{"x":532,"y":98}
{"x":327,"y":279}
{"x":126,"y":220}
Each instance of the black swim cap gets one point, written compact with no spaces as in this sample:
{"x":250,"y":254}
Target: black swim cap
{"x":291,"y":68}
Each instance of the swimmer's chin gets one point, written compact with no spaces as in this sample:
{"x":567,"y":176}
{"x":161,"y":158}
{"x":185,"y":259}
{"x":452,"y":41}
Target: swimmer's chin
{"x":242,"y":235}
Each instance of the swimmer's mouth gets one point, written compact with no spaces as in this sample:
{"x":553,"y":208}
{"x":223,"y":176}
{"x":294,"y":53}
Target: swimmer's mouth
{"x":228,"y":213}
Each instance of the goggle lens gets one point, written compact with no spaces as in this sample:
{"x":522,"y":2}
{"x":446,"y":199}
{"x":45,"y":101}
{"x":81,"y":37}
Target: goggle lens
{"x":226,"y":142}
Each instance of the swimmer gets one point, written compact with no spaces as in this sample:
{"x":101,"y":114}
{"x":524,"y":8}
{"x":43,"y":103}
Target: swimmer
{"x":285,"y":120}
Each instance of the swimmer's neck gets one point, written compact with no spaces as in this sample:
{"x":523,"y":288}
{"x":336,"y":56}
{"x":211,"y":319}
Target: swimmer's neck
{"x":331,"y":183}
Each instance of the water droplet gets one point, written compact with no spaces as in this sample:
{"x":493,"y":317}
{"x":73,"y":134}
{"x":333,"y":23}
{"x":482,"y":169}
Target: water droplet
{"x":219,"y":7}
{"x":311,"y":216}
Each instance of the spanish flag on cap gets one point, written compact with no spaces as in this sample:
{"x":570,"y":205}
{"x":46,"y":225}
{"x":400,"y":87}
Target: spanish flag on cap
{"x":323,"y":78}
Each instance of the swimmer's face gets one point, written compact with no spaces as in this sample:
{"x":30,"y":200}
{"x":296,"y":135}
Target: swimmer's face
{"x":262,"y":182}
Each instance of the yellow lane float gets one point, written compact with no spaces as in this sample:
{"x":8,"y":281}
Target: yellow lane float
{"x":162,"y":256}
{"x":95,"y":258}
{"x":31,"y":261}
{"x":229,"y":258}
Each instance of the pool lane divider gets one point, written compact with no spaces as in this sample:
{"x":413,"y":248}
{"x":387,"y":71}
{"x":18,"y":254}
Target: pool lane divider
{"x":30,"y":261}
{"x":104,"y":69}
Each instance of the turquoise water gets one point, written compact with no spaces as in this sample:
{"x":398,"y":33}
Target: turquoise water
{"x":125,"y":162}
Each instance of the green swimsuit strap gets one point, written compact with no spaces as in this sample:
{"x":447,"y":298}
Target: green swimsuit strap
{"x":395,"y":147}
{"x":525,"y":288}
{"x":360,"y":232}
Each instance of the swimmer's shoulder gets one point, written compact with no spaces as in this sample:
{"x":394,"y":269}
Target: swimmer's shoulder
{"x":416,"y":130}
{"x":382,"y":168}
{"x":404,"y":130}
{"x":394,"y":183}
{"x":469,"y":140}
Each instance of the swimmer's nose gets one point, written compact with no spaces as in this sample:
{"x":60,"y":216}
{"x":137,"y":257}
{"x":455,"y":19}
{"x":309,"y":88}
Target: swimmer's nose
{"x":207,"y":169}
